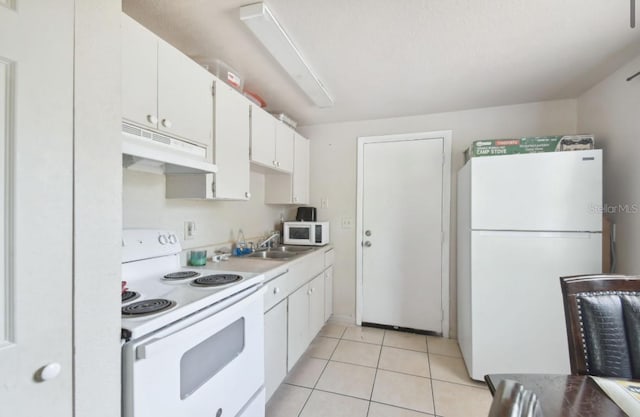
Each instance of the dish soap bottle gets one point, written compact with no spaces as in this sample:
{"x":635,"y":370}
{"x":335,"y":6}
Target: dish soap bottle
{"x":240,"y":244}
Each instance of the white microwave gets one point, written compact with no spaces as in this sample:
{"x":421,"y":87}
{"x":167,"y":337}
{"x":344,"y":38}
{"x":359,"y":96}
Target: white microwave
{"x":306,"y":233}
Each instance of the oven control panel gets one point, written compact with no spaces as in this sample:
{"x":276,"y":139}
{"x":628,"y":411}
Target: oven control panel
{"x":140,"y":244}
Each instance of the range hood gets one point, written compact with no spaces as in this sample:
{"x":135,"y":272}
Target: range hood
{"x":148,"y":151}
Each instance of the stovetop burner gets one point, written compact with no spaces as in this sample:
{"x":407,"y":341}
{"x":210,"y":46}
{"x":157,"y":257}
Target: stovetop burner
{"x":182,"y":275}
{"x":129,"y":296}
{"x":216,"y":280}
{"x":146,"y":307}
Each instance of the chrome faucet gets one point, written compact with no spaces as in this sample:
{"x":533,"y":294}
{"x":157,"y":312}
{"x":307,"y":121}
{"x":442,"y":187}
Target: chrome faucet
{"x":268,"y":242}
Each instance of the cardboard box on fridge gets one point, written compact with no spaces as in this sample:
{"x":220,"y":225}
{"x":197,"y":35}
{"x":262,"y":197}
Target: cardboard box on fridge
{"x":533,"y":144}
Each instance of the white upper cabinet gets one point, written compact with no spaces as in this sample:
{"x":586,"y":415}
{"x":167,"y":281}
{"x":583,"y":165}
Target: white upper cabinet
{"x":271,"y":141}
{"x":231,"y":144}
{"x":291,"y":189}
{"x":284,"y":147}
{"x":230,"y":153}
{"x":300,"y":170}
{"x":184,"y":96}
{"x":139,"y":74}
{"x":263,"y":137}
{"x":163,"y":89}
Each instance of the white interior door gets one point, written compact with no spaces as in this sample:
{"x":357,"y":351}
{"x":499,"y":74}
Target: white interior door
{"x":402,"y":229}
{"x":36,"y":131}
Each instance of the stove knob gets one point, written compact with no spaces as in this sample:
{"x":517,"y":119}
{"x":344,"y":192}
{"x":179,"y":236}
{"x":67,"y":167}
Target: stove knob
{"x":173,"y":239}
{"x":162,"y":239}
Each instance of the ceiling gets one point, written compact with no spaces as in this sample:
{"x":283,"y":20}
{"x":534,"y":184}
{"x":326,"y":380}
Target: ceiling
{"x":387,"y":58}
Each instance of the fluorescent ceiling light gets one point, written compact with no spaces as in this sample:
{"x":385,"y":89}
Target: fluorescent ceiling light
{"x":266,"y":28}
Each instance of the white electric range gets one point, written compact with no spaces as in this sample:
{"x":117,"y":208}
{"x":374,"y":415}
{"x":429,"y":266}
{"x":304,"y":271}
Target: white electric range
{"x":193,"y":339}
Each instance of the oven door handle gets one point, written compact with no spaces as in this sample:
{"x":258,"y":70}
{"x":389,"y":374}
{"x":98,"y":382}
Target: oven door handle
{"x":200,"y":329}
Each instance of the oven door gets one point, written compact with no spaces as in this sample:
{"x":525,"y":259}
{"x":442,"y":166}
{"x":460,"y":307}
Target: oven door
{"x":205,"y":365}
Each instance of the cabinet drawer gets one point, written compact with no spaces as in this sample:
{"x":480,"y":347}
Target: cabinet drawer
{"x":329,"y":257}
{"x":276,"y":290}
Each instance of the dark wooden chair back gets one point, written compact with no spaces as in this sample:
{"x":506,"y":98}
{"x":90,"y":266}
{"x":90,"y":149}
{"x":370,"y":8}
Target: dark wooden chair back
{"x":511,"y":399}
{"x":602,"y":313}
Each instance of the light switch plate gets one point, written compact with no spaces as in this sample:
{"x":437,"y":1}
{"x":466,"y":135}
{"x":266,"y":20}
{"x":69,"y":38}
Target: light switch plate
{"x":347,"y":223}
{"x":324,"y":202}
{"x":189,"y":229}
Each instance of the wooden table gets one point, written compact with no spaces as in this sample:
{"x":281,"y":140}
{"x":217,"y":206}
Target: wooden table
{"x":563,"y":395}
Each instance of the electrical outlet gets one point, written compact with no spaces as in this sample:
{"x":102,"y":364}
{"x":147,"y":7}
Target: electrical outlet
{"x":347,"y":223}
{"x":324,"y":202}
{"x":189,"y":230}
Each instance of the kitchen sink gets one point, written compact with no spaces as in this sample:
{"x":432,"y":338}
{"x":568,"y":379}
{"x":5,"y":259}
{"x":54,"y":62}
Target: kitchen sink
{"x":280,"y":252}
{"x":272,"y":254}
{"x":287,"y":248}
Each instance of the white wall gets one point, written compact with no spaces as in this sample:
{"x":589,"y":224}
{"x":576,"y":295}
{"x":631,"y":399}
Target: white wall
{"x":217,"y":222}
{"x":611,"y":110}
{"x":333,"y":170}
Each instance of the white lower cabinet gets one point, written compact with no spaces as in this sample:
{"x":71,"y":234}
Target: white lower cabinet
{"x":298,"y":323}
{"x":306,"y":317}
{"x":275,"y":347}
{"x":297,"y":310}
{"x":316,"y":307}
{"x":328,"y":293}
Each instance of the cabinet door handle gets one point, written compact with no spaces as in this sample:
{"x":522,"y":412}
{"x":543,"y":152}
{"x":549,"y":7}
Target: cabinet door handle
{"x":247,"y":194}
{"x":152,"y":119}
{"x":275,"y":163}
{"x":309,"y":292}
{"x":167,"y":123}
{"x":276,"y":290}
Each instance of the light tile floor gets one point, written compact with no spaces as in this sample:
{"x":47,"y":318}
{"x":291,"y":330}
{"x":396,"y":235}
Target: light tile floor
{"x":351,"y":371}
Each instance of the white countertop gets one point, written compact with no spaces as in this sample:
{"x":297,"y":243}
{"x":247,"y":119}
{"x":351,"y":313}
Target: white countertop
{"x":269,"y":267}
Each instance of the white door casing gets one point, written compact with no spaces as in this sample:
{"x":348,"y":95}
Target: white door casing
{"x":36,"y":176}
{"x":403,"y":198}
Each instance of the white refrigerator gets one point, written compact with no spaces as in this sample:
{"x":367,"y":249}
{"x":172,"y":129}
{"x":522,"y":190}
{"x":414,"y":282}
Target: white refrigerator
{"x":524,"y":221}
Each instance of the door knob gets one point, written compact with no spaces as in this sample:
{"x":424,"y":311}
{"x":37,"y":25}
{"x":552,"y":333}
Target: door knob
{"x":167,"y":123}
{"x":367,"y":233}
{"x":49,"y":371}
{"x":367,"y":243}
{"x":152,"y":119}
